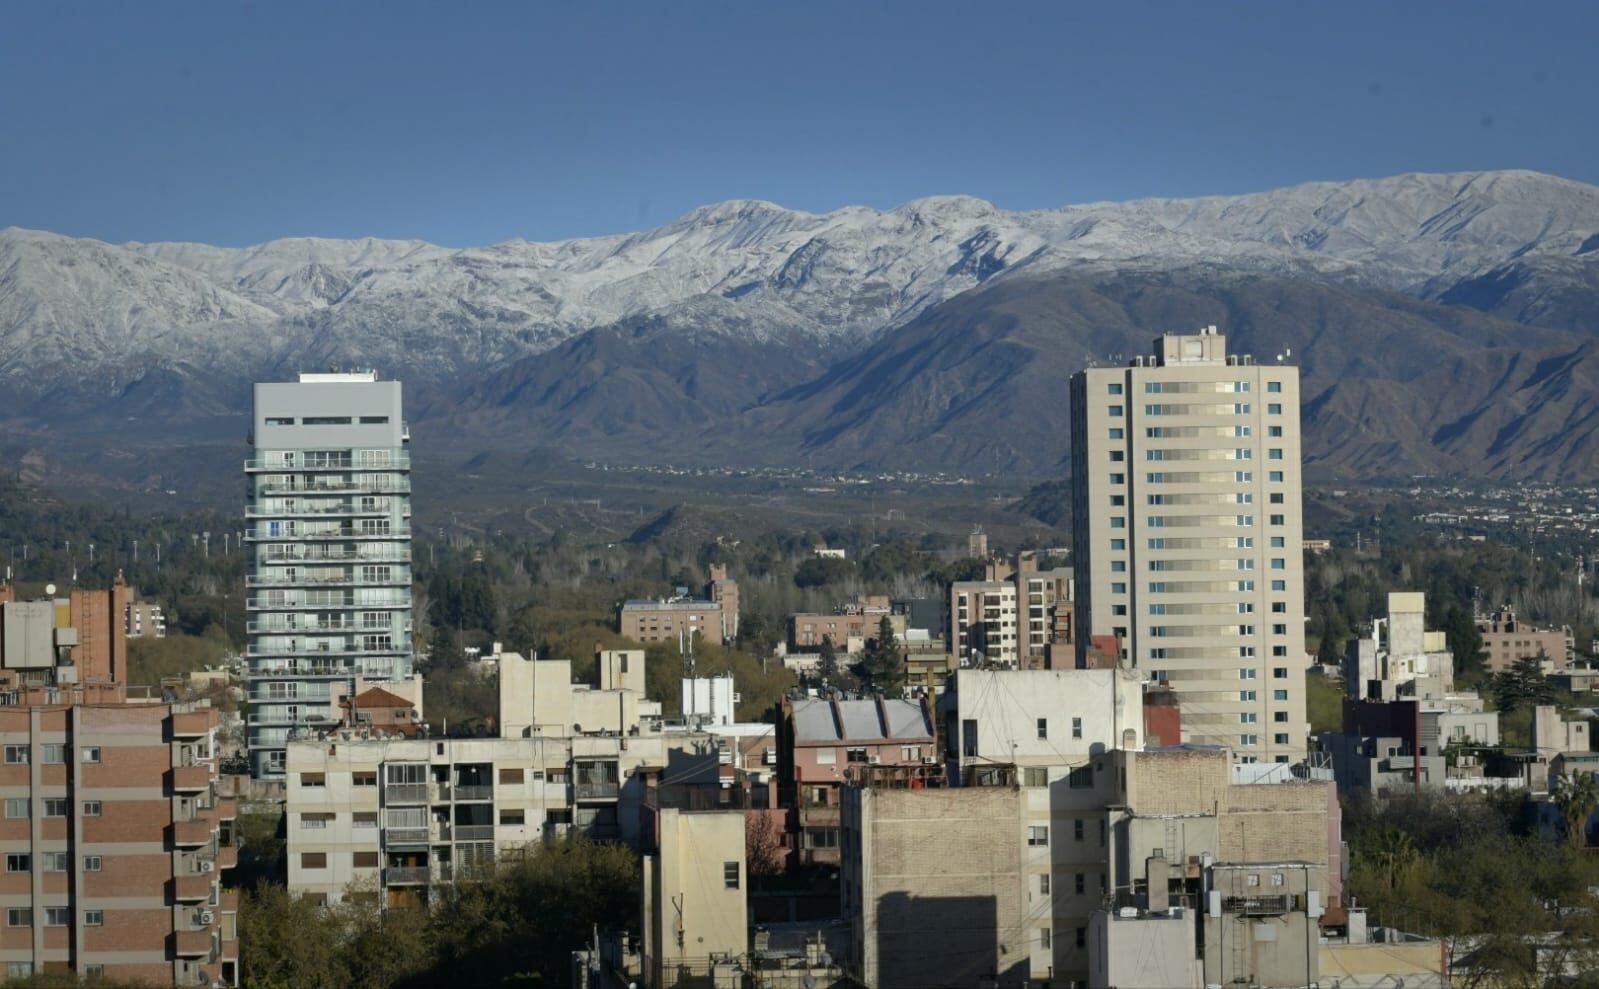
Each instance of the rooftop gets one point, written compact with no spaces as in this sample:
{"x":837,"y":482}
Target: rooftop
{"x":819,"y":720}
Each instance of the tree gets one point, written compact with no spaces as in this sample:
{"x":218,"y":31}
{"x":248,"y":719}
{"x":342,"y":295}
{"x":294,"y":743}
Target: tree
{"x":820,"y":571}
{"x":1576,"y":794}
{"x":884,"y":665}
{"x":763,"y":845}
{"x":1522,"y":684}
{"x":829,"y":658}
{"x":1464,"y":641}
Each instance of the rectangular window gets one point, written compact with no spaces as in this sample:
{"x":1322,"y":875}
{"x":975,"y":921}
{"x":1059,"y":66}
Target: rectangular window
{"x":93,"y":918}
{"x":365,"y":819}
{"x":17,"y":755}
{"x":1117,"y":456}
{"x":1247,"y":718}
{"x":16,"y":862}
{"x":364,"y":777}
{"x":1043,"y":938}
{"x":730,"y":875}
{"x":1118,"y":587}
{"x":1279,"y":585}
{"x":364,"y":860}
{"x":313,"y":779}
{"x":1116,"y":433}
{"x":1279,"y":695}
{"x":1043,"y":884}
{"x":1113,"y":389}
{"x":1275,"y":432}
{"x":1077,"y":727}
{"x":19,"y":917}
{"x":1081,"y":778}
{"x":1118,"y":521}
{"x":1037,"y":834}
{"x":1276,"y":409}
{"x":1118,"y":478}
{"x":1118,"y":544}
{"x":1281,"y":738}
{"x":315,"y":822}
{"x":374,"y":420}
{"x":1277,"y":541}
{"x":511,"y":777}
{"x":856,"y":754}
{"x":1035,"y":776}
{"x":90,"y":754}
{"x":513,"y":818}
{"x":1079,"y":884}
{"x":1276,"y":520}
{"x":313,"y":860}
{"x":1275,"y":475}
{"x":91,"y":808}
{"x":325,"y":421}
{"x":1275,"y":453}
{"x":1082,"y":937}
{"x":57,"y":807}
{"x":1274,"y":387}
{"x":53,"y":753}
{"x":1114,"y":410}
{"x":280,"y":420}
{"x":1043,"y":727}
{"x":16,"y":807}
{"x":92,"y":863}
{"x":1077,"y":830}
{"x":57,"y":861}
{"x":1118,"y":566}
{"x":1279,"y":673}
{"x":57,"y":916}
{"x":1245,"y":696}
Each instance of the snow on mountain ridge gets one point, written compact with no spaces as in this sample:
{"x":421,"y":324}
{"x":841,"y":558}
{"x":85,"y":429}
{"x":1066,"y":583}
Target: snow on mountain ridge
{"x":842,"y":275}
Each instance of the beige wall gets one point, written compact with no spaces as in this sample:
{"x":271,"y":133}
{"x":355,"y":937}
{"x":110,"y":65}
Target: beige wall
{"x":695,"y":892}
{"x":1229,"y":632}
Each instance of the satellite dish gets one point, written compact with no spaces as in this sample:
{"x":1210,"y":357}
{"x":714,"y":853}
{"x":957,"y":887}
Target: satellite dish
{"x":50,"y":589}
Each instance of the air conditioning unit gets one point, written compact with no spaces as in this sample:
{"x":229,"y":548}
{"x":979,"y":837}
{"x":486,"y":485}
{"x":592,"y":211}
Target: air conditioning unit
{"x":874,"y":760}
{"x":208,"y":867}
{"x":206,"y":918}
{"x":928,"y":760}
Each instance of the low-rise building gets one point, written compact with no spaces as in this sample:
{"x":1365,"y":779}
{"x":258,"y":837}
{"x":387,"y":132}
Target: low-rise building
{"x":1507,"y":638}
{"x":821,"y":739}
{"x":713,"y":618}
{"x":848,"y":628}
{"x":1401,"y":657}
{"x":144,"y":620}
{"x":695,"y":898}
{"x":1011,"y":617}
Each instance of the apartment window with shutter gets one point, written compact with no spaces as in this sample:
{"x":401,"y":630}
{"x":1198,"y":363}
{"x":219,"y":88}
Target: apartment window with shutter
{"x":1035,"y":776}
{"x":313,"y":860}
{"x":511,"y":777}
{"x":364,"y":860}
{"x":313,"y":779}
{"x":513,"y":817}
{"x":367,"y":777}
{"x":365,"y":819}
{"x":730,"y":875}
{"x":1038,"y":834}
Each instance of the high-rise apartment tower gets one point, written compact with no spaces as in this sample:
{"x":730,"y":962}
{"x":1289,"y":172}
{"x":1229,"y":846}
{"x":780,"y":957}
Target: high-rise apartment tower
{"x":329,"y":535}
{"x":1187,"y":535}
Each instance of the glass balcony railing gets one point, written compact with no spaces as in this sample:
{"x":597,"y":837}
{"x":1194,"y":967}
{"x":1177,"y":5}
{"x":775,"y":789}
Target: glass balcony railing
{"x":341,"y":532}
{"x":358,"y":461}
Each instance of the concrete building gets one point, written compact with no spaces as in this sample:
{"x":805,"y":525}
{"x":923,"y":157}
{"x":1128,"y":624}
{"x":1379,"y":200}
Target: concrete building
{"x":935,"y":886}
{"x":713,"y":618}
{"x":1187,"y":535}
{"x":695,"y":911}
{"x":115,"y":839}
{"x":1150,"y":950}
{"x":820,"y":741}
{"x":982,"y":615}
{"x":70,"y":649}
{"x":329,"y":543}
{"x":1406,"y":746}
{"x":144,"y":620}
{"x":1013,"y":616}
{"x":1400,"y":658}
{"x":1506,"y":638}
{"x":850,"y":627}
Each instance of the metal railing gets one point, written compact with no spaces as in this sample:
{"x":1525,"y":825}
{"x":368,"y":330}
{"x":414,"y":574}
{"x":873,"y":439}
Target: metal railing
{"x":474,"y":832}
{"x":405,"y":793}
{"x":391,"y":461}
{"x":597,"y":791}
{"x":393,"y":532}
{"x":405,"y":836}
{"x":405,"y":874}
{"x":343,"y":487}
{"x":474,"y":791}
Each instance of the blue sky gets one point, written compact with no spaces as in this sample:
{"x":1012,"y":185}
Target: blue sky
{"x":469,"y":123}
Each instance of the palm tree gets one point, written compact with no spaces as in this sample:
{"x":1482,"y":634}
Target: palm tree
{"x":1576,"y":794}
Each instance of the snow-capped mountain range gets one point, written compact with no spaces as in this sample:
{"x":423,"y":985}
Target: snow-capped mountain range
{"x":84,"y":322}
{"x":72,"y":304}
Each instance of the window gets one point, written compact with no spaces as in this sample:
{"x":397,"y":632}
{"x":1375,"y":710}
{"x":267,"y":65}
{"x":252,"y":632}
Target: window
{"x":1246,"y":696}
{"x":1077,"y":830}
{"x":1246,"y":718}
{"x":1078,"y":885}
{"x":1279,"y":585}
{"x":1043,"y":727}
{"x":325,"y":421}
{"x":730,"y":875}
{"x":19,"y":917}
{"x":1278,"y":563}
{"x":57,"y":916}
{"x":1275,"y":453}
{"x":1277,"y":542}
{"x":1279,"y":673}
{"x":1276,"y":432}
{"x":91,"y":808}
{"x":827,"y":756}
{"x":1276,"y":520}
{"x":17,"y":755}
{"x":1275,"y":475}
{"x":315,"y":822}
{"x":364,"y":860}
{"x":313,"y":860}
{"x":374,"y":420}
{"x":856,"y":754}
{"x":1118,"y":566}
{"x":280,"y":420}
{"x":365,"y":819}
{"x":1276,"y":409}
{"x":313,"y":779}
{"x":1117,"y":456}
{"x":1043,"y":884}
{"x":1274,"y":387}
{"x":1038,"y":834}
{"x":1118,"y":609}
{"x":16,"y":862}
{"x":92,"y":863}
{"x":93,"y":918}
{"x":1246,"y":673}
{"x":514,"y":818}
{"x":57,"y":807}
{"x":53,"y":753}
{"x":1113,"y":388}
{"x":1118,"y":479}
{"x":1114,"y":410}
{"x":1116,"y":433}
{"x":1279,"y":630}
{"x":1248,"y":739}
{"x":57,"y":861}
{"x":1279,"y":695}
{"x":1082,"y":937}
{"x":511,"y":777}
{"x":1043,"y":938}
{"x":1118,"y":501}
{"x":1118,"y":521}
{"x":1035,"y":776}
{"x":16,"y":807}
{"x":1281,"y":738}
{"x":364,"y":777}
{"x":1118,"y":544}
{"x":1077,"y":727}
{"x":1081,"y":778}
{"x":90,"y":754}
{"x":1281,"y":717}
{"x":19,"y":970}
{"x":1118,"y":587}
{"x":1279,"y":651}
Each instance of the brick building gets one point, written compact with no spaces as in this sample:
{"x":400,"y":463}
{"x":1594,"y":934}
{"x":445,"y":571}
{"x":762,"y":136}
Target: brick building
{"x":714,"y":618}
{"x":1506,"y":638}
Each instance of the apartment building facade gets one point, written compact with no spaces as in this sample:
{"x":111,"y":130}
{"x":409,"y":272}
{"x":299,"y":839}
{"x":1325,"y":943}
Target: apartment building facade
{"x":115,"y":839}
{"x":1013,"y":616}
{"x":1507,"y":638}
{"x":329,"y":549}
{"x":713,"y":618}
{"x":1188,"y":535}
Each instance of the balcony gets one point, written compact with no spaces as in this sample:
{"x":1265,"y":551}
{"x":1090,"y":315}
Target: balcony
{"x":596,"y":791}
{"x":189,"y":944}
{"x":474,"y":832}
{"x":191,"y":724}
{"x":391,"y":461}
{"x":406,"y":875}
{"x":189,"y":833}
{"x":405,"y":793}
{"x":187,"y":779}
{"x":338,"y":532}
{"x":356,"y":486}
{"x":351,"y":580}
{"x":416,"y":837}
{"x":194,"y":886}
{"x":227,"y":809}
{"x":474,"y":791}
{"x":227,"y":857}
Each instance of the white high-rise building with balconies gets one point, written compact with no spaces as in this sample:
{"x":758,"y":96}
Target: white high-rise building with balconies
{"x":328,"y":526}
{"x":1188,"y":537}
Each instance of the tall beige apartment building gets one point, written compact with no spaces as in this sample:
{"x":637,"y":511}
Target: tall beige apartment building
{"x":1187,"y":535}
